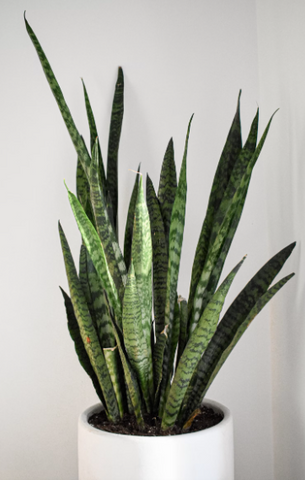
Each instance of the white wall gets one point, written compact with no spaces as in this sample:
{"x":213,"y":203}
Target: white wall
{"x":282,"y":84}
{"x":179,"y":57}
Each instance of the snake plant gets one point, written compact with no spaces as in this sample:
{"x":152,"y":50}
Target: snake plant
{"x":146,"y":349}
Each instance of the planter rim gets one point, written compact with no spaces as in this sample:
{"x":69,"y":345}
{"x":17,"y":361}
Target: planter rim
{"x":218,"y":407}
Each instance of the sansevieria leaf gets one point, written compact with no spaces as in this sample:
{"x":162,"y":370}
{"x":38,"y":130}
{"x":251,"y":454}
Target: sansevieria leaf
{"x":228,"y":327}
{"x":94,"y":136}
{"x":160,"y":255}
{"x":79,"y":346}
{"x":113,"y":144}
{"x":194,"y":350}
{"x":96,"y":299}
{"x":130,"y":221}
{"x":88,"y":332}
{"x":97,"y":254}
{"x":141,"y":252}
{"x":67,"y":117}
{"x":134,"y":339}
{"x":226,"y":163}
{"x":104,"y":227}
{"x":167,"y":188}
{"x":175,"y":247}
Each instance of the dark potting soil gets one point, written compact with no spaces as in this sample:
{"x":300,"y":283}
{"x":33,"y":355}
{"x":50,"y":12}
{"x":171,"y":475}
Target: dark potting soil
{"x":128,"y":426}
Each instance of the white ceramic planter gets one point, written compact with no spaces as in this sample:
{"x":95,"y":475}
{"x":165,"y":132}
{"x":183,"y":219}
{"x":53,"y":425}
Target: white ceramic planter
{"x":204,"y":455}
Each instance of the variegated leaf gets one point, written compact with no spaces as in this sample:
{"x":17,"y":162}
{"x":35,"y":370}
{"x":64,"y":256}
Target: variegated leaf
{"x":113,"y":144}
{"x":130,"y":221}
{"x":63,"y":107}
{"x":167,"y":188}
{"x":97,"y":255}
{"x":88,"y":332}
{"x":194,"y":350}
{"x":160,"y":255}
{"x":141,"y":252}
{"x":134,"y":338}
{"x":175,"y":247}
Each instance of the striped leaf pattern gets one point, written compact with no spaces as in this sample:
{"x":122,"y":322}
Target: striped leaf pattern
{"x":97,"y":255}
{"x":94,"y":136}
{"x":115,"y":371}
{"x":164,"y":367}
{"x":130,"y":221}
{"x":96,"y":299}
{"x":225,"y":166}
{"x":83,"y":356}
{"x":134,"y":393}
{"x":183,"y":336}
{"x":160,"y":255}
{"x":142,"y":262}
{"x":113,"y":144}
{"x":63,"y":107}
{"x":194,"y":350}
{"x":175,"y":247}
{"x":227,"y":220}
{"x":259,"y":305}
{"x":88,"y":333}
{"x":167,"y":187}
{"x":134,"y":338}
{"x":233,"y":319}
{"x":104,"y":227}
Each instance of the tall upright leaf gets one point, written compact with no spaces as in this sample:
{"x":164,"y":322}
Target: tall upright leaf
{"x":96,"y":299}
{"x":194,"y":350}
{"x":94,"y":136}
{"x":226,"y":222}
{"x":81,"y":352}
{"x":134,"y":338}
{"x":63,"y":107}
{"x":130,"y":221}
{"x":141,"y":252}
{"x":104,"y":227}
{"x":226,"y":164}
{"x":160,"y":255}
{"x":113,"y":144}
{"x":167,"y":187}
{"x":97,"y":254}
{"x":232,"y":321}
{"x":88,"y":332}
{"x":175,"y":246}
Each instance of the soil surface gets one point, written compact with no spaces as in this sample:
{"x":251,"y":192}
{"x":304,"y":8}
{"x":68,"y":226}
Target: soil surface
{"x":206,"y":418}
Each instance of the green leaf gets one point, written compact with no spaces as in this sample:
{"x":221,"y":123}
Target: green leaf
{"x":88,"y":332}
{"x":134,"y":339}
{"x":94,"y":136}
{"x":63,"y":107}
{"x":175,"y":246}
{"x":133,"y":394}
{"x":83,"y":357}
{"x":113,"y":144}
{"x":97,"y":255}
{"x":226,"y":164}
{"x":259,"y":305}
{"x":230,"y":323}
{"x":130,"y":221}
{"x":167,"y":187}
{"x":183,"y":326}
{"x":104,"y":228}
{"x":96,"y":299}
{"x":114,"y":367}
{"x":226,"y":222}
{"x":141,"y":252}
{"x":160,"y":255}
{"x":194,"y":350}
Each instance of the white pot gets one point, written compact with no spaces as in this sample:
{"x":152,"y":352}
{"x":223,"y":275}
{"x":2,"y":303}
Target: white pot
{"x":204,"y":455}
